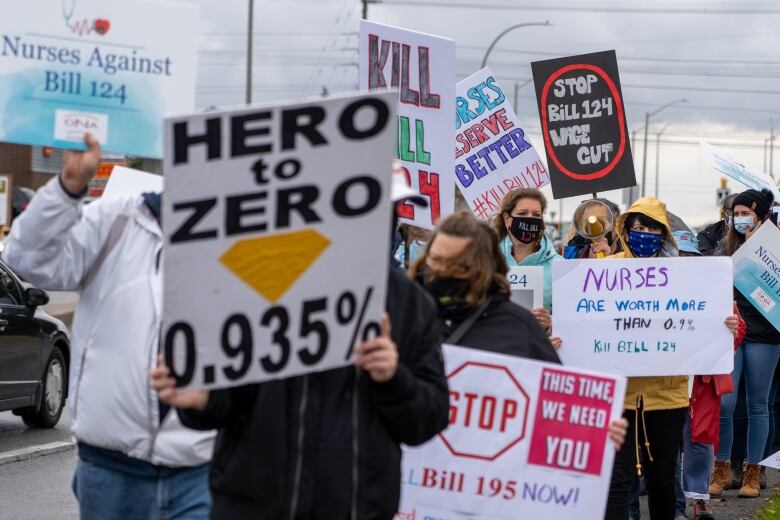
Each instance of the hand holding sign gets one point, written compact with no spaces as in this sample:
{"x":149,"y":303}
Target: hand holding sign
{"x":165,"y":385}
{"x":378,"y":356}
{"x":79,"y":167}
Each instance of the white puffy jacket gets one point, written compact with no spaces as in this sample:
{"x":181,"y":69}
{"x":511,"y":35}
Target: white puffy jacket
{"x":108,"y":251}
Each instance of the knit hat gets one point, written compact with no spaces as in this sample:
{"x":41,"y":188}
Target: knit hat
{"x":758,"y":201}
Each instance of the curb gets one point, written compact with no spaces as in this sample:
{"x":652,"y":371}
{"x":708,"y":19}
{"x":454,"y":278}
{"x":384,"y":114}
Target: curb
{"x":34,"y":452}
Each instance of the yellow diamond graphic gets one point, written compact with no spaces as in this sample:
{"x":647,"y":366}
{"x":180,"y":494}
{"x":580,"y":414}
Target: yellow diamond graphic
{"x":271,"y":265}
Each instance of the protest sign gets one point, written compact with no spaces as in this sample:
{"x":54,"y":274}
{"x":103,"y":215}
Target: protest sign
{"x":644,"y":316}
{"x":583,"y":124}
{"x":263,"y":278}
{"x":110,"y":68}
{"x":773,"y":461}
{"x":493,"y":154}
{"x":525,"y":440}
{"x":422,"y":67}
{"x":127,"y":181}
{"x":757,"y":271}
{"x":6,"y":199}
{"x":726,"y":164}
{"x":527,"y":284}
{"x":97,"y":184}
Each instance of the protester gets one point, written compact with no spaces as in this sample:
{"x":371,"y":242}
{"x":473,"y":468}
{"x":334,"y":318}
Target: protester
{"x":655,"y":406}
{"x":755,"y":360}
{"x":463,"y":268}
{"x":326,"y":446}
{"x":581,"y":247}
{"x":702,"y":423}
{"x":135,"y":459}
{"x":520,"y":229}
{"x":711,"y":236}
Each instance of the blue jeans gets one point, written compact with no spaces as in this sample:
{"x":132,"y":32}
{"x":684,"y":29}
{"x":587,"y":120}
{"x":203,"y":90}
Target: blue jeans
{"x":755,"y":362}
{"x":109,"y":488}
{"x":697,"y":466}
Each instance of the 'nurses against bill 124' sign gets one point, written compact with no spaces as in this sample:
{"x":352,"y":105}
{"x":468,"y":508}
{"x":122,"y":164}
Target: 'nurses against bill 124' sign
{"x":583,"y":124}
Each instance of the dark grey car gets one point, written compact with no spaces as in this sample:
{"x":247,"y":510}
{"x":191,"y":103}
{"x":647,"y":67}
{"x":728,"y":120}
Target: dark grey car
{"x":34,"y":354}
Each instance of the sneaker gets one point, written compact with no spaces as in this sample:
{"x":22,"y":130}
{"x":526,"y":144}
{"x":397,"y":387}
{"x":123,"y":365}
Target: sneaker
{"x":701,"y":511}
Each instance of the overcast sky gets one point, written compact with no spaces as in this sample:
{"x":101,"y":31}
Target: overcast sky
{"x":720,"y":56}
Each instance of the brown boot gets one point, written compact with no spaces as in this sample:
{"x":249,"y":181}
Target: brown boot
{"x":721,"y":477}
{"x":750,"y":486}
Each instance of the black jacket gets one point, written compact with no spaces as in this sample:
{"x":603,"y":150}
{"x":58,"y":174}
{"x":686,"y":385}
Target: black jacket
{"x":506,"y":328}
{"x":264,"y":460}
{"x":710,"y":237}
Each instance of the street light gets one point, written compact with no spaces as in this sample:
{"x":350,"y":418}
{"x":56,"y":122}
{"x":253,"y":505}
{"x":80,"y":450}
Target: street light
{"x":658,"y":153}
{"x":250,"y":31}
{"x":512,"y":28}
{"x":647,"y":123}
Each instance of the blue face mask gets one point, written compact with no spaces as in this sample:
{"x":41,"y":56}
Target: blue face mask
{"x":643,"y":245}
{"x":743,"y":224}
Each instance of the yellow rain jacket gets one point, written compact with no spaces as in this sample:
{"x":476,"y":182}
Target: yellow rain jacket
{"x":656,"y":393}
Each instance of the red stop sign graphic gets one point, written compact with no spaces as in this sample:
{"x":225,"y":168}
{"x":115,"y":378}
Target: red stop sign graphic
{"x":488,"y":411}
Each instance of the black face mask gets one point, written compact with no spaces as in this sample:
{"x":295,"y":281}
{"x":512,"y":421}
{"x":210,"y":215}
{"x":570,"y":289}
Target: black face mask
{"x":449,"y":293}
{"x":526,"y":229}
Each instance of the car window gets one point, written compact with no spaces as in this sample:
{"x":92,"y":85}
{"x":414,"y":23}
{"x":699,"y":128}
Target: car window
{"x":9,"y":290}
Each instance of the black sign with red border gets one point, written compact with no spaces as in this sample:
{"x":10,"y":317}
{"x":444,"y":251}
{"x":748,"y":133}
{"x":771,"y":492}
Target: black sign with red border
{"x":583,"y":124}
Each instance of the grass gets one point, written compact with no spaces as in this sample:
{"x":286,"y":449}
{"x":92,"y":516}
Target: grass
{"x":770,"y":510}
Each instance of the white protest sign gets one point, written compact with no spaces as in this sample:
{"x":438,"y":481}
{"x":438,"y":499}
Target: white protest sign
{"x":108,"y":67}
{"x":645,"y":316}
{"x":422,"y":67}
{"x":757,"y":271}
{"x":527,"y":284}
{"x":772,"y":461}
{"x":493,"y":155}
{"x":726,"y":164}
{"x":263,"y":276}
{"x":127,"y":181}
{"x":525,"y":440}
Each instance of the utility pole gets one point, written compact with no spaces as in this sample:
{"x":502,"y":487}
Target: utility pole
{"x":771,"y":150}
{"x":517,"y":93}
{"x":766,"y":145}
{"x":249,"y":43}
{"x":658,"y":155}
{"x":365,"y":9}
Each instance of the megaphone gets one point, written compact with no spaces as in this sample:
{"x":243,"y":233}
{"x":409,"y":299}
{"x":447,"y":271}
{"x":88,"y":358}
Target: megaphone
{"x":593,"y":220}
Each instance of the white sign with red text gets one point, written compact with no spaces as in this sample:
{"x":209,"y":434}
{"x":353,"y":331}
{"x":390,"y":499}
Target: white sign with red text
{"x":525,"y":440}
{"x":493,"y":154}
{"x":422,"y":68}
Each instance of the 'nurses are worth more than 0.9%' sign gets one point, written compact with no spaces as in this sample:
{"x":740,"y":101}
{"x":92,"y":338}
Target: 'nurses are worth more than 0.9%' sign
{"x":112,"y":68}
{"x":260,"y":214}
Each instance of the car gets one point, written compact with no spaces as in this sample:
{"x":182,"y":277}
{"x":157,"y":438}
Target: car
{"x":34,"y":353}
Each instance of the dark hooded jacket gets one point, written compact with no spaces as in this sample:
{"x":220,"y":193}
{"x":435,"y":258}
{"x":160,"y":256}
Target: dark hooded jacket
{"x":710,"y":238}
{"x":327,"y":446}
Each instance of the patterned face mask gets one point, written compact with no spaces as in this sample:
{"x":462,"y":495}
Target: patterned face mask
{"x":643,"y":245}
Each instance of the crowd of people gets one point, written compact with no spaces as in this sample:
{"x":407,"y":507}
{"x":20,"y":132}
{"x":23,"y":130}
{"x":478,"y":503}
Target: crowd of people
{"x":328,"y":445}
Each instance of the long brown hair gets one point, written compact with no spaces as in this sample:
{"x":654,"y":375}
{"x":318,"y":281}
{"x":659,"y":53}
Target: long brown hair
{"x":508,"y":204}
{"x":484,"y":263}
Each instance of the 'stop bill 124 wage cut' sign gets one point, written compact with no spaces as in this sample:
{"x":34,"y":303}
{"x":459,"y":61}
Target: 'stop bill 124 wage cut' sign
{"x":493,"y":154}
{"x":525,"y":440}
{"x":108,"y":67}
{"x":583,"y":124}
{"x":263,"y":279}
{"x":757,"y":271}
{"x":644,"y":317}
{"x":422,"y":68}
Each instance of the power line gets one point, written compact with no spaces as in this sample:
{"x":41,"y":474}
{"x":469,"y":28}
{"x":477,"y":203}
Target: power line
{"x":742,"y":9}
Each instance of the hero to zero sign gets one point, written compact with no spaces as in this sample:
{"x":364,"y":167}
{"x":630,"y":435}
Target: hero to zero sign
{"x":583,"y":124}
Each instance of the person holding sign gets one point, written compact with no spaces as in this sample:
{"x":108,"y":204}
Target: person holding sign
{"x":655,"y":406}
{"x":755,"y":360}
{"x":463,"y":268}
{"x":520,"y":229}
{"x":132,"y":450}
{"x":326,"y":446}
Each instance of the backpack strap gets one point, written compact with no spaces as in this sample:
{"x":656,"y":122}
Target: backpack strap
{"x":464,"y":327}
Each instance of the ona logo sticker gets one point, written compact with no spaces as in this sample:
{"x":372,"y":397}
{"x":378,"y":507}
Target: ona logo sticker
{"x":70,"y":125}
{"x":83,"y":26}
